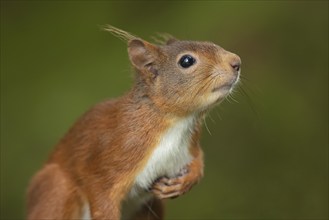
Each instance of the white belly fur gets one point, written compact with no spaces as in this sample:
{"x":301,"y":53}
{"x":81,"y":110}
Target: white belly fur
{"x":168,"y":158}
{"x":86,"y":211}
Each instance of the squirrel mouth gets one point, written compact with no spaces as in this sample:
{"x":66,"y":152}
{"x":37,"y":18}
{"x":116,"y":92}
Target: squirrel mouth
{"x":225,"y":87}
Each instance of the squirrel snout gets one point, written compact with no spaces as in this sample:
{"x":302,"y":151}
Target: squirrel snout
{"x":235,"y":63}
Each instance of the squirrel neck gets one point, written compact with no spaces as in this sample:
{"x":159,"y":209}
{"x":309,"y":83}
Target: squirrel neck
{"x":141,"y":93}
{"x":139,"y":96}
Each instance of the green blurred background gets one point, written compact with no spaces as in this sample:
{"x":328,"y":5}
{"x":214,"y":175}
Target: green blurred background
{"x":267,"y":154}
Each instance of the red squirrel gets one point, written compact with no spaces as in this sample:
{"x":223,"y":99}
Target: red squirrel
{"x":123,"y":157}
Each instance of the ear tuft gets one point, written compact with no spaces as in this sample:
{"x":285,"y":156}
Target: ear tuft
{"x":164,"y":39}
{"x":121,"y":34}
{"x":171,"y":40}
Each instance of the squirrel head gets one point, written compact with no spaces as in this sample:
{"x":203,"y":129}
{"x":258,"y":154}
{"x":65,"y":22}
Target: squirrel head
{"x":182,"y":76}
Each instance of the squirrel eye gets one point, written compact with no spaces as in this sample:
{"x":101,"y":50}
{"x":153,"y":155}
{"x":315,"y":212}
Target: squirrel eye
{"x":186,"y":61}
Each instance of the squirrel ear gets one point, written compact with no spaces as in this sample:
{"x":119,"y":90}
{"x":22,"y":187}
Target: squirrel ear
{"x":141,"y":53}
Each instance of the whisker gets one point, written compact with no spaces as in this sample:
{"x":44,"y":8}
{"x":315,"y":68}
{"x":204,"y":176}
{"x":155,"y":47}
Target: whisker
{"x":218,"y":115}
{"x":205,"y":123}
{"x":208,"y":80}
{"x":207,"y":83}
{"x":231,"y":96}
{"x":151,"y":211}
{"x":249,"y":101}
{"x":227,"y":98}
{"x":244,"y":77}
{"x":252,"y":89}
{"x":210,"y":116}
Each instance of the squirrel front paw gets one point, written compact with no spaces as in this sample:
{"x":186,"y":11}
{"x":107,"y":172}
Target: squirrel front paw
{"x":164,"y":187}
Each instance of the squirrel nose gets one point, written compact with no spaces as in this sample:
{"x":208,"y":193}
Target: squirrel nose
{"x":236,"y":63}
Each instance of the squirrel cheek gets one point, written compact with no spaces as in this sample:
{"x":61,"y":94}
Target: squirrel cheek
{"x":213,"y":97}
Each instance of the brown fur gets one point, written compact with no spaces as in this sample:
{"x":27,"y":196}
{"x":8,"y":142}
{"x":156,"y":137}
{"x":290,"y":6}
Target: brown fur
{"x":100,"y":156}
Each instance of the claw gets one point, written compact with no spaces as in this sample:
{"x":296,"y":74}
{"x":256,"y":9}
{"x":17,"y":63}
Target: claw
{"x":183,"y":171}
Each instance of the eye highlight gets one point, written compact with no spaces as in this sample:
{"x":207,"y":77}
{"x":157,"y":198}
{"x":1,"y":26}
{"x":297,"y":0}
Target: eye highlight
{"x":186,"y":61}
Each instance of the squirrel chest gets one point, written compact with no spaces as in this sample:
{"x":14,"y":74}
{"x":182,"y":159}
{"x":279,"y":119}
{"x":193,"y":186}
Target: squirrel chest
{"x":168,"y":158}
{"x":170,"y":155}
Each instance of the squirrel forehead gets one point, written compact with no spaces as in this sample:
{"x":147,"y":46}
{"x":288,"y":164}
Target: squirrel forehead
{"x":206,"y":48}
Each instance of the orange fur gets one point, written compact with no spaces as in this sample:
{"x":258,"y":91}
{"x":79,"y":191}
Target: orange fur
{"x":97,"y":161}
